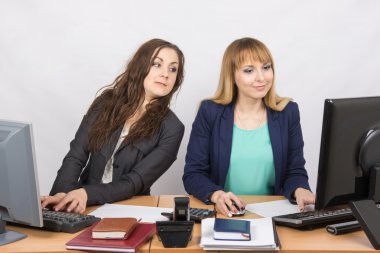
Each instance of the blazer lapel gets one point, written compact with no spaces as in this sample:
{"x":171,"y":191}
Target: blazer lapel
{"x":275,"y":138}
{"x":225,"y":141}
{"x":108,"y":149}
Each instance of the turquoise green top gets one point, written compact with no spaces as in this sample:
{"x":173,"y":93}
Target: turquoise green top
{"x":251,"y":170}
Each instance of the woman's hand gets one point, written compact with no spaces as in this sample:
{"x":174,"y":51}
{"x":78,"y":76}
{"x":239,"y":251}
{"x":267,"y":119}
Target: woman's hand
{"x":74,"y":201}
{"x":224,"y":203}
{"x":303,"y":197}
{"x":51,"y":200}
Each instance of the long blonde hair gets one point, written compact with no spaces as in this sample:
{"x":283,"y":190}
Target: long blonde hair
{"x":236,"y":54}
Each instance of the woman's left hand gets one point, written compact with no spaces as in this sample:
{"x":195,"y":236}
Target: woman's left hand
{"x":303,"y":197}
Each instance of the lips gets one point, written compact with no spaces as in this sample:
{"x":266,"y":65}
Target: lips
{"x":160,"y":83}
{"x":261,"y":87}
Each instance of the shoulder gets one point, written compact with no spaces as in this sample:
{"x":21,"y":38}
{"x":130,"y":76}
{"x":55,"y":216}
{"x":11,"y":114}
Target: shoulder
{"x":172,"y":121}
{"x":289,"y":114}
{"x":210,"y":109}
{"x":211,"y":106}
{"x":291,"y":108}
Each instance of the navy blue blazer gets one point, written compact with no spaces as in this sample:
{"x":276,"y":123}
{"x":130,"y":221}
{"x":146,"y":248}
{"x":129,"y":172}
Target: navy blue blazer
{"x":209,"y":150}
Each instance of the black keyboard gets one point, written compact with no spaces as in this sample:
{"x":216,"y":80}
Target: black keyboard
{"x":196,"y":214}
{"x":314,"y":219}
{"x":66,"y":222}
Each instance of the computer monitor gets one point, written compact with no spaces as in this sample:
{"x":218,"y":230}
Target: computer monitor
{"x":349,"y":162}
{"x":19,"y":192}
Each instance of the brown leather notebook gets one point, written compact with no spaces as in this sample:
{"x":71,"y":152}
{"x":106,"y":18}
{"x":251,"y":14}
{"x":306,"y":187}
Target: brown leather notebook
{"x":114,"y":228}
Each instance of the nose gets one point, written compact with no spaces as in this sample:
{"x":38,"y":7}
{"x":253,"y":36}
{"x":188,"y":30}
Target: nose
{"x":260,"y":76}
{"x":165,"y":72}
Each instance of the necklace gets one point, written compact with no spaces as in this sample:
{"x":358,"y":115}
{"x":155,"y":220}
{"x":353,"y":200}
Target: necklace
{"x":241,"y":121}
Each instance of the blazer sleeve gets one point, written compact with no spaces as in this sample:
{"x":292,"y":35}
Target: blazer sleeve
{"x":141,"y":177}
{"x":74,"y":161}
{"x":295,"y":173}
{"x":198,"y":168}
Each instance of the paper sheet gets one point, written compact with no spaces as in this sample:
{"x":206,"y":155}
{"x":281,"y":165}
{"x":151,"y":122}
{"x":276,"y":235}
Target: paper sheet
{"x":262,"y":236}
{"x":145,"y":213}
{"x":275,"y":208}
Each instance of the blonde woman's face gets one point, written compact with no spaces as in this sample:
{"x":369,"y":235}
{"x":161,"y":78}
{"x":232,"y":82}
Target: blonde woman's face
{"x":254,"y":79}
{"x":162,"y":74}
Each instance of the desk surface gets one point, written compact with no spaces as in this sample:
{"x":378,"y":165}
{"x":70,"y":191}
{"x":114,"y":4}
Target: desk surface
{"x":292,"y":240}
{"x":317,"y":240}
{"x":46,"y":242}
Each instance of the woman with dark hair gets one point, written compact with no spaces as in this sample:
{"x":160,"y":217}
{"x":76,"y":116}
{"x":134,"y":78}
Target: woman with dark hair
{"x":129,"y":136}
{"x":246,"y":140}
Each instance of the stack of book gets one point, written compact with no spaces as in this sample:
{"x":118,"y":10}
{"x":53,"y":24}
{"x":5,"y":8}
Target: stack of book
{"x":113,"y":235}
{"x":234,"y":234}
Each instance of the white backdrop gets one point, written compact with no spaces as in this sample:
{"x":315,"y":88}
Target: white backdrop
{"x":55,"y":55}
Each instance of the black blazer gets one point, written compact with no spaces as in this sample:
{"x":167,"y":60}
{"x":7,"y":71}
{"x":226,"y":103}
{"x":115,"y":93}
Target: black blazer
{"x":136,"y":166}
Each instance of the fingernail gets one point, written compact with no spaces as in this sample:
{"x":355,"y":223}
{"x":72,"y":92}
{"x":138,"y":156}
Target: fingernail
{"x":229,"y":215}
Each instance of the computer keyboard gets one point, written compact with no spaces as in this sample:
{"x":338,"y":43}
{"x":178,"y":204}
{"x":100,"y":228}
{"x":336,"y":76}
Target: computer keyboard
{"x":196,"y":214}
{"x":66,"y":222}
{"x":314,"y":219}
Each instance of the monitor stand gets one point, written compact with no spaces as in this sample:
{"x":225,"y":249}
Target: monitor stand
{"x":369,"y":161}
{"x":374,"y":183}
{"x":8,"y":236}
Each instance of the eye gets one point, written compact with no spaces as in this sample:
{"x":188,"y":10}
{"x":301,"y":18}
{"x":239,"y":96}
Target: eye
{"x":248,"y":70}
{"x":267,"y":66}
{"x":173,"y":69}
{"x":156,"y":64}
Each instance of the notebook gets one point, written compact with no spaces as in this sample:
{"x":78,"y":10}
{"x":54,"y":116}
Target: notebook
{"x":232,"y":229}
{"x":114,"y":228}
{"x":142,"y":233}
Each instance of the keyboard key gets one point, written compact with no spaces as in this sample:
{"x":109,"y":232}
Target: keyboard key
{"x":196,"y":214}
{"x":66,"y":222}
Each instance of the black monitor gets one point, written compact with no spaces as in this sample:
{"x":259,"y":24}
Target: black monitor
{"x":19,"y":192}
{"x":349,"y":162}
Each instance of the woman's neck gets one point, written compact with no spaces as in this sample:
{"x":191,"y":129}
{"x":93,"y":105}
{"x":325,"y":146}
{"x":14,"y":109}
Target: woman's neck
{"x":249,"y":114}
{"x":250,"y":106}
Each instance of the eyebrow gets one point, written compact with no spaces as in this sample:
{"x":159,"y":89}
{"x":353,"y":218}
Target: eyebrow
{"x":251,"y":66}
{"x":174,"y":62}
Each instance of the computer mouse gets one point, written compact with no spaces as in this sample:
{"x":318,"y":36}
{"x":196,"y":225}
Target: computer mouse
{"x":240,"y":212}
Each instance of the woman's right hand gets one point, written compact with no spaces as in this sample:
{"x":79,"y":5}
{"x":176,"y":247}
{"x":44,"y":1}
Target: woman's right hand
{"x":52,"y":200}
{"x":224,"y":202}
{"x":74,"y":201}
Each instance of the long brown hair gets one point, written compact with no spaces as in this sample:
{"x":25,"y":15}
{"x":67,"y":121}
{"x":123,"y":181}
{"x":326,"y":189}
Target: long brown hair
{"x":235,"y":55}
{"x":119,"y":101}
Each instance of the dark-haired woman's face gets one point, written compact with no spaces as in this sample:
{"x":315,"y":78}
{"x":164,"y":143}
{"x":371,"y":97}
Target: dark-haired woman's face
{"x":162,"y":74}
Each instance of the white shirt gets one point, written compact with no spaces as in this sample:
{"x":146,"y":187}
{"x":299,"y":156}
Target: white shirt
{"x":108,"y":171}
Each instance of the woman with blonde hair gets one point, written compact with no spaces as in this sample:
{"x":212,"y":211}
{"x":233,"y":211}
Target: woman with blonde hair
{"x":129,"y":136}
{"x":246,"y":140}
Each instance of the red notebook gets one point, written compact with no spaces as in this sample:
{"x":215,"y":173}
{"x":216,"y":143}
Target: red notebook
{"x":142,"y":233}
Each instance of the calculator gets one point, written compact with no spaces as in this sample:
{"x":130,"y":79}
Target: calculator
{"x":196,"y":214}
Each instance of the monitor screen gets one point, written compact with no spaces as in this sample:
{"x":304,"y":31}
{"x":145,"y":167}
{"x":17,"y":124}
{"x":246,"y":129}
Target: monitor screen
{"x":346,"y":125}
{"x":19,"y":192}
